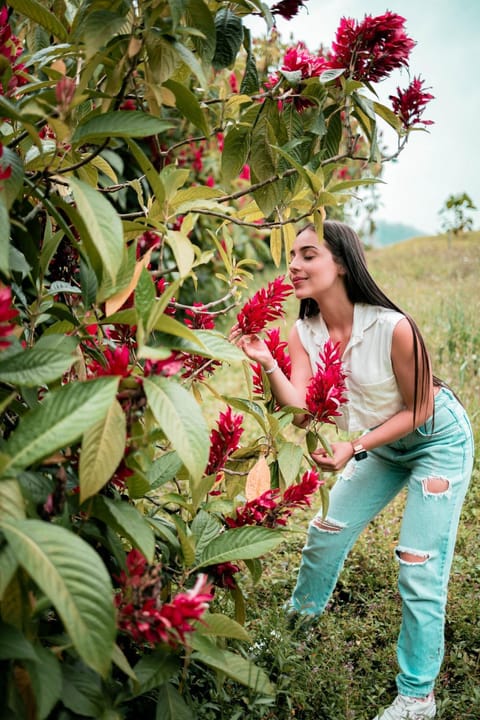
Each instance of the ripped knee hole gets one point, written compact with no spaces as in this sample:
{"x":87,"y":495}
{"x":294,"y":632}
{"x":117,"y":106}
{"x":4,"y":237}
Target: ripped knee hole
{"x":412,"y":558}
{"x":435,"y":485}
{"x":326,"y":525}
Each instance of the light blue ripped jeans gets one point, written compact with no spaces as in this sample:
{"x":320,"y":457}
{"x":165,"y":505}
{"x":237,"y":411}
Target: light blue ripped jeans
{"x":427,"y":537}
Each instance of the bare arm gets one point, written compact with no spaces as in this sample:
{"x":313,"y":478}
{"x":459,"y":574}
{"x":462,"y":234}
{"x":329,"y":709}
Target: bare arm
{"x":286,"y":392}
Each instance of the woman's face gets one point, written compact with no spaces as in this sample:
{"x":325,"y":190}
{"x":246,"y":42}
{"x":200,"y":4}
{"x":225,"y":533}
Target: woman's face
{"x":313,"y":270}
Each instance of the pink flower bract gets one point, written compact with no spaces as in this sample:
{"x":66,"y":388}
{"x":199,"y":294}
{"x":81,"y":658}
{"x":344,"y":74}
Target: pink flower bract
{"x":410,"y":103}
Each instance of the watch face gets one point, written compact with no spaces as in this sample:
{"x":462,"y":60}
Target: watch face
{"x":360,"y":455}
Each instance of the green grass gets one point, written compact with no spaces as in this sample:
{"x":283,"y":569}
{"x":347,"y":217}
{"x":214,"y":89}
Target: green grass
{"x":345,"y":668}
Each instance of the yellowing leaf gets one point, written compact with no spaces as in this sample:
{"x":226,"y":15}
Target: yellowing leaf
{"x":258,"y":479}
{"x":115,"y":302}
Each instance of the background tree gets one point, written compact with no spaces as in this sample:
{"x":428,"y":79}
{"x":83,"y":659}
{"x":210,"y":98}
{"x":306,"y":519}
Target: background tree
{"x":151,"y":153}
{"x":455,"y":214}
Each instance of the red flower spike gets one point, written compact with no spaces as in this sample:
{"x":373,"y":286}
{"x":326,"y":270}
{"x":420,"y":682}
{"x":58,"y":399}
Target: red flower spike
{"x":278,"y":350}
{"x":409,"y":104}
{"x":369,"y":50}
{"x":116,"y":363}
{"x":7,"y":313}
{"x":266,"y":305}
{"x":326,"y":390}
{"x":224,"y":441}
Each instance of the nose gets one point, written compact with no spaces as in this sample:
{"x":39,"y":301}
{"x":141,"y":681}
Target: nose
{"x":293,"y":264}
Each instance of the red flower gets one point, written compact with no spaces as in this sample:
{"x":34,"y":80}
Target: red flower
{"x":369,"y":50}
{"x":224,"y":441}
{"x":7,"y":313}
{"x":277,"y":348}
{"x":410,"y":103}
{"x":161,"y":287}
{"x":141,"y":613}
{"x":116,"y":363}
{"x":266,"y":305}
{"x":198,"y":318}
{"x":222,"y":574}
{"x":4,"y":172}
{"x":287,"y":8}
{"x":271,"y":509}
{"x":147,"y":240}
{"x":168,"y":367}
{"x":65,"y":92}
{"x":326,"y":390}
{"x":11,"y":48}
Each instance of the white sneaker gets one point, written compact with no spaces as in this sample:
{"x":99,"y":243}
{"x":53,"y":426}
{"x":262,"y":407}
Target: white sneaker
{"x":409,"y":708}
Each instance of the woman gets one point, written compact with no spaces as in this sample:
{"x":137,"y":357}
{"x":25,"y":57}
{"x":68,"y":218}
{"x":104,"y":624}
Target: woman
{"x":415,"y":434}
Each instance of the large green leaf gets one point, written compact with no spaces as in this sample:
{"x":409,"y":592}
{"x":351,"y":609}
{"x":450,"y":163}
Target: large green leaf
{"x":171,"y":705}
{"x":102,"y":224}
{"x":12,"y":507}
{"x":39,"y":14}
{"x":121,"y":123}
{"x":232,"y":664}
{"x":72,"y":575}
{"x":218,"y":625}
{"x":103,"y":447}
{"x":127,"y":521}
{"x":33,"y":367}
{"x":235,"y":152}
{"x":179,"y":416}
{"x":214,"y":345}
{"x":14,"y":644}
{"x":188,"y":105}
{"x":61,"y":419}
{"x":244,"y":543}
{"x":199,"y":16}
{"x":229,"y":38}
{"x":154,"y":670}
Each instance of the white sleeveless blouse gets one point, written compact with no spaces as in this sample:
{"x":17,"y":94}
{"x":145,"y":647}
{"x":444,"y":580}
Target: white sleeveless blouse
{"x":372,"y":390}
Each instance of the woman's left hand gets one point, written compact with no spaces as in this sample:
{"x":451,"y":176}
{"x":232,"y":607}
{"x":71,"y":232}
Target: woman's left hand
{"x":342,"y":453}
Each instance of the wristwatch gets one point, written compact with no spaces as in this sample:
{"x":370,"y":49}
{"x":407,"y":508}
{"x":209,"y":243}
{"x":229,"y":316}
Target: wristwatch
{"x":359,"y":452}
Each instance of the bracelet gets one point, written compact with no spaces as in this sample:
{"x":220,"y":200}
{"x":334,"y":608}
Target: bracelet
{"x":272,"y":369}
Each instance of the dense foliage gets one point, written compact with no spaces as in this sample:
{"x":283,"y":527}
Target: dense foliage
{"x":151,"y":155}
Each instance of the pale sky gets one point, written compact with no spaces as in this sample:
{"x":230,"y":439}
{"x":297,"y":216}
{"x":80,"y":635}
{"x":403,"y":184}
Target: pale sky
{"x":444,"y":160}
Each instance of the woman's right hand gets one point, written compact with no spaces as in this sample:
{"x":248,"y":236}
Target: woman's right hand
{"x":253,"y":346}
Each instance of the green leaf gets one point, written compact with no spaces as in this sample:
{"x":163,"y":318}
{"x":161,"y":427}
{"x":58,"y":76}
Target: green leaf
{"x":188,"y":105}
{"x":103,"y":447}
{"x":125,"y":519}
{"x":34,"y":367}
{"x":12,"y":185}
{"x":189,"y":59}
{"x":229,"y":38}
{"x":145,"y":296}
{"x":333,"y":136}
{"x":179,"y":416}
{"x":154,"y":670}
{"x":103,"y":225}
{"x":213,"y":345}
{"x":4,"y":236}
{"x":61,"y":419}
{"x":220,"y":625}
{"x":235,"y":152}
{"x":289,"y":460}
{"x":242,"y":543}
{"x":120,"y":123}
{"x":171,"y":705}
{"x":204,"y":528}
{"x":98,"y":28}
{"x":182,"y":250}
{"x":250,"y":83}
{"x":14,"y":644}
{"x":40,"y":15}
{"x":199,"y":16}
{"x":46,"y":678}
{"x":72,"y":575}
{"x":163,"y":469}
{"x":311,"y":439}
{"x":233,"y":665}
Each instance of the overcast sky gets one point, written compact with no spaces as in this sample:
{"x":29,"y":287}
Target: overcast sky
{"x":445,"y":160}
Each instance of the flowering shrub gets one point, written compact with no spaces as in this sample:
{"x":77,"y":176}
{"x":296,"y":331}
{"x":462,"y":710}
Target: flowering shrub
{"x":146,"y":164}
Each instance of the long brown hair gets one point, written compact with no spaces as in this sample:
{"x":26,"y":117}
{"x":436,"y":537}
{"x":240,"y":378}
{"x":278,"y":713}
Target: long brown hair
{"x":347,"y":249}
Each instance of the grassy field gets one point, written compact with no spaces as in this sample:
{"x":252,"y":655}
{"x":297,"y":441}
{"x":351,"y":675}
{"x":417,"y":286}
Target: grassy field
{"x":344,"y":668}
